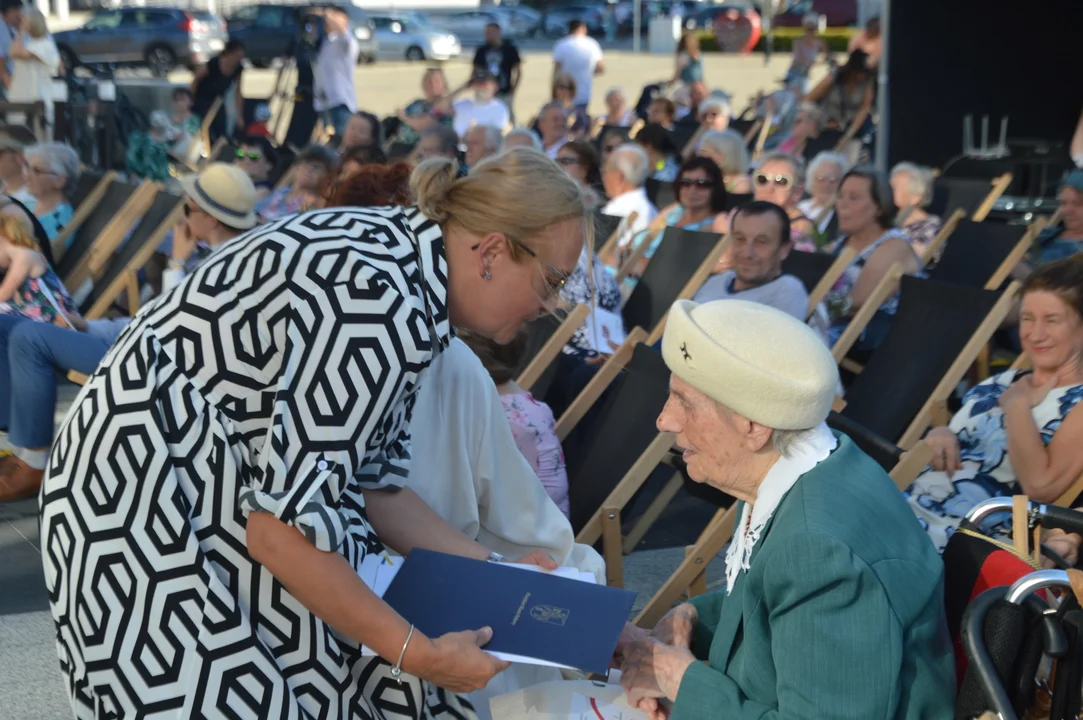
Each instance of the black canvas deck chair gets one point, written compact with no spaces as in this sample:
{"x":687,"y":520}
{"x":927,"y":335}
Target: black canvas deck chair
{"x":937,"y":332}
{"x":982,"y":254}
{"x":605,"y":229}
{"x":660,"y":193}
{"x":683,"y":261}
{"x":90,"y":188}
{"x":736,"y":200}
{"x":975,"y":196}
{"x":824,"y":142}
{"x":817,"y":272}
{"x":103,"y":229}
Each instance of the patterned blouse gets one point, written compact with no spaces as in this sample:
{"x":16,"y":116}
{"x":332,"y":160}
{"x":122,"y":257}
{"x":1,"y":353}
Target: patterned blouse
{"x":940,"y":502}
{"x":42,"y":299}
{"x":279,"y":204}
{"x":922,"y":233}
{"x":534,"y":430}
{"x":326,"y":322}
{"x":578,"y":291}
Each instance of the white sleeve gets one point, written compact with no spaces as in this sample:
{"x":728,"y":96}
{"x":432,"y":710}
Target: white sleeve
{"x":558,"y":51}
{"x":1078,"y":160}
{"x":171,"y":278}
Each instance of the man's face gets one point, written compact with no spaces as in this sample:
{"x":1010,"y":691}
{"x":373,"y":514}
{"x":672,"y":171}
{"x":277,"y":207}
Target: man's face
{"x":484,"y":90}
{"x":14,"y":17}
{"x":553,"y":125}
{"x":428,"y":147}
{"x":697,"y":93}
{"x":757,"y":248}
{"x":11,"y":163}
{"x":335,"y":21}
{"x":475,"y":146}
{"x":492,"y":35}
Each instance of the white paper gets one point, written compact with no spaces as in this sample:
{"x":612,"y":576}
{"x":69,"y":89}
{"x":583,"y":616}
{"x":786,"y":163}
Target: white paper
{"x":378,"y":571}
{"x":605,"y":330}
{"x":589,"y":708}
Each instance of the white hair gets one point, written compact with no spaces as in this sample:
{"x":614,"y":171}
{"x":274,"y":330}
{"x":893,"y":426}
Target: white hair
{"x":631,"y":161}
{"x":731,"y":145}
{"x":612,"y":91}
{"x":58,"y":159}
{"x":797,"y":164}
{"x":920,"y":181}
{"x":534,"y":141}
{"x":784,"y":440}
{"x":492,"y":136}
{"x":720,"y":103}
{"x":826,"y":157}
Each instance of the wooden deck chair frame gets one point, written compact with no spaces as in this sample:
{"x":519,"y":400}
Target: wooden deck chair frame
{"x":1015,"y":256}
{"x":609,"y":248}
{"x":690,"y":573}
{"x":761,"y":138}
{"x":636,"y":127}
{"x":819,"y":292}
{"x":86,"y":208}
{"x":946,"y":230}
{"x":633,"y":260}
{"x":93,"y":262}
{"x":215,"y":153}
{"x":552,"y":347}
{"x":1000,"y":185}
{"x":205,"y":126}
{"x":883,"y":290}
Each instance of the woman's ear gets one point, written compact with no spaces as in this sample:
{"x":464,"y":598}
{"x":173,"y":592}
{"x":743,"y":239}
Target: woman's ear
{"x":489,"y":251}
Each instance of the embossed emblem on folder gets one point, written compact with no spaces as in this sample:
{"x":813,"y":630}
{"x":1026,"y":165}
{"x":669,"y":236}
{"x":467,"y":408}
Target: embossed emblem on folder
{"x":549,"y":614}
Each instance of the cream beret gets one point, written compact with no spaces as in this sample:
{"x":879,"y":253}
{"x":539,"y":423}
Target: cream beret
{"x":757,"y":361}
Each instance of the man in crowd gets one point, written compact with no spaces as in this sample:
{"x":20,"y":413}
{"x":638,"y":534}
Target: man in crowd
{"x":759,"y":242}
{"x":501,"y":58}
{"x":437,"y":141}
{"x":624,"y":176}
{"x":335,"y":95}
{"x":553,"y":126}
{"x":219,"y":205}
{"x":483,"y":108}
{"x":11,"y":20}
{"x":580,"y":56}
{"x":481,"y":141}
{"x":13,"y":140}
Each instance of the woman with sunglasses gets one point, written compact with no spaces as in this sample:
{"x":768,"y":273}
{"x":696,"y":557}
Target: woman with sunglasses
{"x":264,"y":407}
{"x":779,"y":181}
{"x":257,"y":158}
{"x":580,"y":160}
{"x":564,"y":89}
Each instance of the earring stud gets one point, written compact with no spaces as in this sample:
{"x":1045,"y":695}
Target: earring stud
{"x":487,"y":275}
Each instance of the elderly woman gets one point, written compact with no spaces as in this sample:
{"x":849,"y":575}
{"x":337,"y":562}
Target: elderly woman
{"x":728,"y":150}
{"x":315,"y":165}
{"x":553,"y":128}
{"x":52,"y":169}
{"x":780,"y":180}
{"x":701,"y":201}
{"x":617,"y":113}
{"x":433,"y":108}
{"x":301,"y":435}
{"x":363,"y":130}
{"x":866,"y":219}
{"x":563,"y":93}
{"x":806,"y":125}
{"x":1065,"y":239}
{"x":822,"y":181}
{"x":912,"y":189}
{"x":521,"y":137}
{"x":1017,"y":432}
{"x":580,"y":160}
{"x":714,"y":115}
{"x":828,"y":581}
{"x":35,"y":60}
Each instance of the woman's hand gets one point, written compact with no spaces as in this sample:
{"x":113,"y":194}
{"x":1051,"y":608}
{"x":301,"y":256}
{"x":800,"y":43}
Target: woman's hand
{"x":542,"y":559}
{"x":457,"y":663}
{"x":945,"y":445}
{"x":1025,"y":391}
{"x":1064,"y":544}
{"x":677,"y":626}
{"x":183,"y":242}
{"x":653,"y":670}
{"x":630,"y":633}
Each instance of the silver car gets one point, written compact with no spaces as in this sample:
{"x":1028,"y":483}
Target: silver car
{"x":404,"y":36}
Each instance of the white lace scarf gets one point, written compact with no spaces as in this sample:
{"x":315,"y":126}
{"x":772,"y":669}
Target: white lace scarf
{"x":803,"y":455}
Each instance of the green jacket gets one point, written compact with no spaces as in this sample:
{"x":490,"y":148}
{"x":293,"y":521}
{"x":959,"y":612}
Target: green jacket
{"x":840,"y":615}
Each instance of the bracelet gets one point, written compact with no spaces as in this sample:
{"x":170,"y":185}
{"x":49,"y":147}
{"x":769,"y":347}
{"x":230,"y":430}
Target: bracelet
{"x":396,"y":669}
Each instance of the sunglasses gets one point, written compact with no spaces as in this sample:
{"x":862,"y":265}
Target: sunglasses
{"x":568,"y":161}
{"x":242,"y":155}
{"x":695,"y":182}
{"x":553,"y":287}
{"x":780,"y":180}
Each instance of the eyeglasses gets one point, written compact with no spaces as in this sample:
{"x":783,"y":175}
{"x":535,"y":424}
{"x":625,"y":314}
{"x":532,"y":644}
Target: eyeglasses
{"x":565,"y":160}
{"x":780,"y":180}
{"x":553,"y":287}
{"x":695,"y":182}
{"x":242,"y":155}
{"x":40,"y":171}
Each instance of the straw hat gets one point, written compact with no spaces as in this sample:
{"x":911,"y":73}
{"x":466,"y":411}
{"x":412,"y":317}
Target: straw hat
{"x":225,"y":193}
{"x":16,"y":137}
{"x":757,"y":361}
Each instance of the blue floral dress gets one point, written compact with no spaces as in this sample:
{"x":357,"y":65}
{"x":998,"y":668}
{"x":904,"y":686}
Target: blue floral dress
{"x":940,"y":502}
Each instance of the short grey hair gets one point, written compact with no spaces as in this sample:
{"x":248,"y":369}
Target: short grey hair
{"x":784,"y":440}
{"x":715,"y":102}
{"x":553,"y":106}
{"x":730,"y":144}
{"x":449,"y":141}
{"x":58,"y":159}
{"x":921,"y":181}
{"x":614,"y":91}
{"x":491,"y":136}
{"x":797,"y":164}
{"x":823,"y":158}
{"x":535,"y":141}
{"x":814,"y":112}
{"x":631,"y":161}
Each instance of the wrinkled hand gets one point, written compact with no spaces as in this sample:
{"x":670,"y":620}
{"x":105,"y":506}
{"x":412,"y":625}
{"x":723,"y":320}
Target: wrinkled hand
{"x":945,"y":445}
{"x":629,"y":634}
{"x":677,"y":626}
{"x":1024,"y":390}
{"x":543,"y":560}
{"x":653,"y":670}
{"x":459,"y":664}
{"x":653,"y":708}
{"x":1064,"y":544}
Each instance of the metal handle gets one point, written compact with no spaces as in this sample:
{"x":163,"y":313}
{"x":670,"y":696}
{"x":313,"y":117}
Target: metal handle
{"x":1049,"y":516}
{"x":1035,"y":581}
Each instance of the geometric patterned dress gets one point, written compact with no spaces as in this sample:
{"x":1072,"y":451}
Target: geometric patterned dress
{"x":280,"y":377}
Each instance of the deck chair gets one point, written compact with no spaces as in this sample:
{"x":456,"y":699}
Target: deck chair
{"x":735,"y":200}
{"x":660,"y":193}
{"x":982,"y":254}
{"x":824,"y":142}
{"x":546,"y":337}
{"x":975,"y":196}
{"x":683,"y":261}
{"x":605,"y":229}
{"x":938,"y":331}
{"x":90,"y":188}
{"x":817,"y":272}
{"x":120,"y":203}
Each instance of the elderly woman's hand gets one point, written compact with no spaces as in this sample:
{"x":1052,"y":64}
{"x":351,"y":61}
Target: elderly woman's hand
{"x":677,"y":626}
{"x":945,"y":445}
{"x":1025,"y":391}
{"x":653,"y":670}
{"x":1064,"y":544}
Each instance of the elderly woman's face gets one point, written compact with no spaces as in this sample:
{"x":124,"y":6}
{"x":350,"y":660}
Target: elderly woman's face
{"x":714,"y":119}
{"x":776,"y":183}
{"x":1071,"y":209}
{"x":716,"y":443}
{"x":694,"y":190}
{"x":614,"y":103}
{"x":553,"y":125}
{"x":658,"y":114}
{"x":41,"y":180}
{"x":856,"y":208}
{"x":563,"y":92}
{"x":825,"y":182}
{"x":803,"y":125}
{"x":901,"y":191}
{"x":1050,"y":330}
{"x":433,"y":85}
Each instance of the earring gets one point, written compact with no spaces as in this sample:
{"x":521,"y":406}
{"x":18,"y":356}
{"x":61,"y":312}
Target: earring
{"x":487,"y":276}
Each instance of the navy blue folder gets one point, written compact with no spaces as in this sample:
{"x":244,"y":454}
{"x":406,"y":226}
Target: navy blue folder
{"x":533,"y":614}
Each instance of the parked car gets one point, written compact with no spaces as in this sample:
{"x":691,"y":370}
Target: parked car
{"x":157,"y":38}
{"x":269,"y":31}
{"x":470,"y":25}
{"x":403,"y":36}
{"x":557,"y":18}
{"x":837,"y":13}
{"x":524,"y":21}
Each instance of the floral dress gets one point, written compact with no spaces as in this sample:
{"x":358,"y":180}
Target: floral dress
{"x":839,"y":303}
{"x":579,"y":290}
{"x":534,"y":430}
{"x":42,"y":299}
{"x":279,"y":204}
{"x":922,"y":233}
{"x":940,"y":502}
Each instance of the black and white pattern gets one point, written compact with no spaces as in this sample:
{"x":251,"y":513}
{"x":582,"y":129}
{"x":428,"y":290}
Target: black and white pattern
{"x":279,"y":376}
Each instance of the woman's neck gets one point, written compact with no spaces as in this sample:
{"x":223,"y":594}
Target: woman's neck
{"x":695,"y":215}
{"x":1068,"y":373}
{"x":916,"y":215}
{"x":1071,"y":233}
{"x":47,"y":203}
{"x":866,"y":236}
{"x":509,"y":388}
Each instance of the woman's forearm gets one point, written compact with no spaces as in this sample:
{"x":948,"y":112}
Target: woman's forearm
{"x":404,"y":521}
{"x":329,"y":587}
{"x":1028,"y":453}
{"x":17,"y":272}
